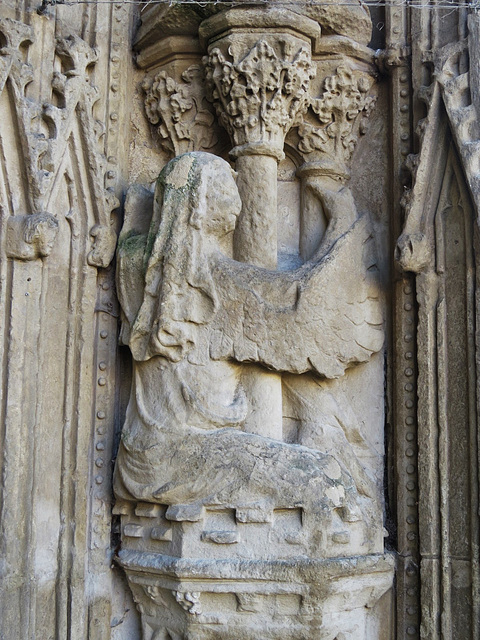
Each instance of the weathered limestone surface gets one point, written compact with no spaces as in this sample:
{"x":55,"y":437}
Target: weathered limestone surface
{"x":239,"y":323}
{"x":191,"y":313}
{"x":439,"y":245}
{"x":239,"y":337}
{"x":62,"y":140}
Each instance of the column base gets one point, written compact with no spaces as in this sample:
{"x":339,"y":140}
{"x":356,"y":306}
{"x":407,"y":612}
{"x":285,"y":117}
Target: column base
{"x":201,"y":574}
{"x":302,"y":599}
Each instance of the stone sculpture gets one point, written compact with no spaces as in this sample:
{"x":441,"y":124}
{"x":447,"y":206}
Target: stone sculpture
{"x":195,"y":320}
{"x":200,"y":311}
{"x":232,"y":519}
{"x":31,"y":237}
{"x":249,"y":481}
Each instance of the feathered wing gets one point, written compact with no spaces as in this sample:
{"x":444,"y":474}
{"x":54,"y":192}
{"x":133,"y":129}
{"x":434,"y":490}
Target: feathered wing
{"x":323,"y":317}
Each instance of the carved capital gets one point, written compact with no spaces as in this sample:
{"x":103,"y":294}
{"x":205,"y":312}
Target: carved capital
{"x":184,"y":117}
{"x":32,"y":236}
{"x":336,"y":119}
{"x":261,"y":93}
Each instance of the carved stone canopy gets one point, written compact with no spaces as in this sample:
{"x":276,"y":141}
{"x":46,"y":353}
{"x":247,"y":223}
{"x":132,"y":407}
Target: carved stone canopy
{"x":302,"y":71}
{"x":166,"y":26}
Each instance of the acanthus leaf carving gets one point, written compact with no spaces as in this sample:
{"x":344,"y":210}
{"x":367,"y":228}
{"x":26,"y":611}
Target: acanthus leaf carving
{"x":342,"y":112}
{"x":260,"y":97}
{"x":184,"y":117}
{"x":189,"y":601}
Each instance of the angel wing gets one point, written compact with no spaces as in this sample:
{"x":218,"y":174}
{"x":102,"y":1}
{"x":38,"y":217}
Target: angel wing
{"x":322,"y":317}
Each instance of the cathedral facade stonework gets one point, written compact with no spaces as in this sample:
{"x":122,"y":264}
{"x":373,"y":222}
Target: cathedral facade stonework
{"x":238,"y":301}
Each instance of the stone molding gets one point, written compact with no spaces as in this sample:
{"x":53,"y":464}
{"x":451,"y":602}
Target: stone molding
{"x":450,"y":90}
{"x":44,"y":153}
{"x":436,"y":255}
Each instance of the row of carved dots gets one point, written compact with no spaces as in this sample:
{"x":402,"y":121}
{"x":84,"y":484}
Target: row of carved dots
{"x":119,"y":15}
{"x":411,"y":455}
{"x":101,"y":415}
{"x":409,"y":381}
{"x":119,"y":19}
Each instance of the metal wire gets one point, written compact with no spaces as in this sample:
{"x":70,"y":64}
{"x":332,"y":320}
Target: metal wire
{"x":411,"y":4}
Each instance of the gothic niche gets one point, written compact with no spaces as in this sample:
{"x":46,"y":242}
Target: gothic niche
{"x":248,"y":491}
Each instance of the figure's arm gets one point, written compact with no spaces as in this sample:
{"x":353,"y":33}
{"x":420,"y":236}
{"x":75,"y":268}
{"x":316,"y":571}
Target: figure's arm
{"x":130,"y":255}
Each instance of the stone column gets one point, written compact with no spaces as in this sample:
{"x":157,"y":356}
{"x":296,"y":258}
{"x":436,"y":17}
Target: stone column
{"x":259,"y":70}
{"x":256,"y":243}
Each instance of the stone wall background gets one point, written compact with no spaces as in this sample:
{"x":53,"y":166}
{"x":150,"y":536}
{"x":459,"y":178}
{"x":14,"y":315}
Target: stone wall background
{"x":59,"y":389}
{"x":64,"y":382}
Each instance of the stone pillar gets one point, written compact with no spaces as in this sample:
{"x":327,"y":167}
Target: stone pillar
{"x":256,"y":243}
{"x":259,"y":85}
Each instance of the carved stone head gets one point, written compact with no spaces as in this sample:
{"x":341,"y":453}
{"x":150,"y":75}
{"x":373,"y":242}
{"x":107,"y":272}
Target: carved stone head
{"x":31,"y":236}
{"x":195,"y":210}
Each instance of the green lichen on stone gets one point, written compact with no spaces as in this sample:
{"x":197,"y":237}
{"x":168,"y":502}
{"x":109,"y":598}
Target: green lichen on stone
{"x":131,"y":242}
{"x":178,"y":199}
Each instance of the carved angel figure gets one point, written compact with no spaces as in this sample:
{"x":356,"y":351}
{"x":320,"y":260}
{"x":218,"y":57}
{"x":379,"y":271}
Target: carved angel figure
{"x":192,"y":315}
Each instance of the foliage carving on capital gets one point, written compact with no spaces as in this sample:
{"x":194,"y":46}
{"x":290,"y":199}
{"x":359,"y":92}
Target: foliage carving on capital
{"x":260,"y":97}
{"x":180,"y":109}
{"x":342,"y":112}
{"x":189,"y":601}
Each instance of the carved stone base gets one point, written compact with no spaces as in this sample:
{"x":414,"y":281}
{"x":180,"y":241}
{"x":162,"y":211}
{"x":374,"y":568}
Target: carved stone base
{"x":236,"y":582}
{"x":302,"y":599}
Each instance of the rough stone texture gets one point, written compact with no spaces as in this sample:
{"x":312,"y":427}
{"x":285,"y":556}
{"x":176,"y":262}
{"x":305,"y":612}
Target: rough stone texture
{"x":63,"y":138}
{"x":439,"y":245}
{"x":95,"y":100}
{"x":264,"y":466}
{"x":188,"y":399}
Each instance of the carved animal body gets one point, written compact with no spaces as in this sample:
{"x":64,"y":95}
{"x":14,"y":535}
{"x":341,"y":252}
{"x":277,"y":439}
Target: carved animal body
{"x":199,"y":315}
